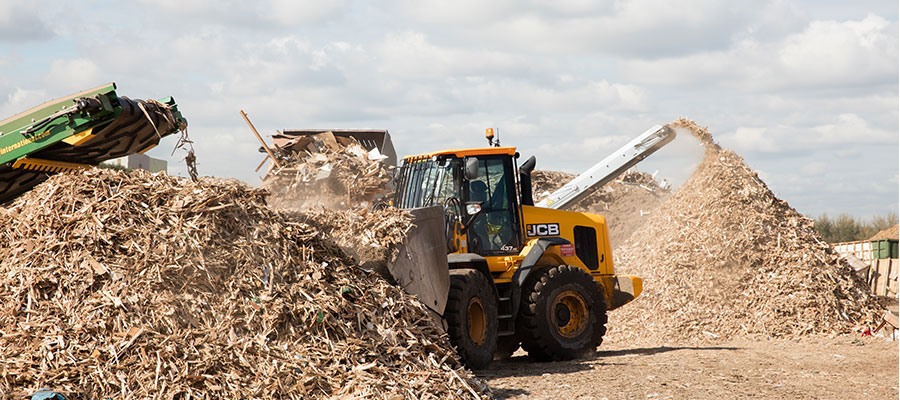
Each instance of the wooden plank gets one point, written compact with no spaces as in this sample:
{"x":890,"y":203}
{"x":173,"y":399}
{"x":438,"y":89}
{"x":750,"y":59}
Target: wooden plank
{"x":892,"y":286}
{"x":887,"y":275}
{"x":263,"y":142}
{"x":873,"y":277}
{"x":881,"y":280}
{"x":891,"y":319}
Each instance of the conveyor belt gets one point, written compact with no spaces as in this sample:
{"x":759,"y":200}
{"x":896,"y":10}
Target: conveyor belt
{"x":111,"y":128}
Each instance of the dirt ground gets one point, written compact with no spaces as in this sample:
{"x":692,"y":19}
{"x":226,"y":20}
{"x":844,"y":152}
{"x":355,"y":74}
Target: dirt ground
{"x":844,"y":367}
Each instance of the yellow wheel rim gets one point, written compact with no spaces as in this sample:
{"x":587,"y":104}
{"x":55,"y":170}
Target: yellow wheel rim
{"x":569,"y":314}
{"x":477,"y":321}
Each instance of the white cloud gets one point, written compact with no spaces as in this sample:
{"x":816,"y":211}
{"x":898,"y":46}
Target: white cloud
{"x":814,"y":168}
{"x":852,"y":129}
{"x":19,"y":100}
{"x":288,"y":12}
{"x":73,"y":75}
{"x":471,"y":13}
{"x":258,"y":15}
{"x":751,"y":139}
{"x":642,"y":28}
{"x":845,"y":133}
{"x":850,"y":52}
{"x":410,"y":55}
{"x":20,"y":20}
{"x":826,"y":54}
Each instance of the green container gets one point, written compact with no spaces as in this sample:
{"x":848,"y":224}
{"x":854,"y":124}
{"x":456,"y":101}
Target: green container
{"x":886,"y":248}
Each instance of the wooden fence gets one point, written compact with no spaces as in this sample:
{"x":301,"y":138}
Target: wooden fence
{"x":882,"y":276}
{"x":861,"y":249}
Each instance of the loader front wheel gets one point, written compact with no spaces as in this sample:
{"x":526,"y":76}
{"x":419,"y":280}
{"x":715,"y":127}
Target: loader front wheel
{"x":471,"y":316}
{"x":563,"y":314}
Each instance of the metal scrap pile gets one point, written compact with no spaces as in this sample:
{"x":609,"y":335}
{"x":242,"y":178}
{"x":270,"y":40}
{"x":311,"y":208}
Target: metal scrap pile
{"x":136,"y":285}
{"x":724,"y":257}
{"x":626,"y":202}
{"x":324,"y":170}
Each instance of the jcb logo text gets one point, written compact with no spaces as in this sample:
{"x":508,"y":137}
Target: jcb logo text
{"x":542,"y":229}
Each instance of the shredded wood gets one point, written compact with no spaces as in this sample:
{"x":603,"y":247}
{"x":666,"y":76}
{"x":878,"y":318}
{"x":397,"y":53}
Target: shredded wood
{"x":135,"y":285}
{"x":626,"y":202}
{"x":322,"y":170}
{"x":724,"y":257}
{"x":888,"y":234}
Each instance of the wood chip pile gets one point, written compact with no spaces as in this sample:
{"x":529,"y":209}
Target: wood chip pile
{"x":133,"y":285}
{"x":371,"y":242}
{"x":889,"y":233}
{"x":724,"y":257}
{"x":329,"y":171}
{"x":626,"y":202}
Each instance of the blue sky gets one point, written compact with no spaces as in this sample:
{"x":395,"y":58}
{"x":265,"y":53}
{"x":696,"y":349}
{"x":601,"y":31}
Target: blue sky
{"x":805,"y":91}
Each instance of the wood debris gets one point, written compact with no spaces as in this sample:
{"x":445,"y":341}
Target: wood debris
{"x":625,"y":202}
{"x":324,"y":170}
{"x":888,"y":234}
{"x":725,"y":256}
{"x":136,"y":285}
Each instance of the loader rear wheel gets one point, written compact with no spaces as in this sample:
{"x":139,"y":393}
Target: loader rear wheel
{"x":563,"y":314}
{"x":471,"y":316}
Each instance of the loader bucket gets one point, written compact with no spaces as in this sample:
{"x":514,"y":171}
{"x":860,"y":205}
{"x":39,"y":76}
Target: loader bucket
{"x":369,"y":138}
{"x":421,"y":265}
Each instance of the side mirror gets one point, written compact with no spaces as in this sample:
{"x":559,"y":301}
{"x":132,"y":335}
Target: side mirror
{"x":473,"y":208}
{"x":471,"y":167}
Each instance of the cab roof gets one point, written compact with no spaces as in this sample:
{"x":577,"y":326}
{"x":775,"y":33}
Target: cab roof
{"x":480,"y":151}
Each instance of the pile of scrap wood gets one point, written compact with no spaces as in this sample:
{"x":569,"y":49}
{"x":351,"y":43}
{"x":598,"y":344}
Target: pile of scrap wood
{"x":626,"y":202}
{"x":325,"y":170}
{"x":724,"y":257}
{"x":134,"y":285}
{"x":892,"y":233}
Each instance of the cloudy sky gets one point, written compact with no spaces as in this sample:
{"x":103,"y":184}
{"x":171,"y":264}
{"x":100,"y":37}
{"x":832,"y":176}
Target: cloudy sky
{"x":806,"y":91}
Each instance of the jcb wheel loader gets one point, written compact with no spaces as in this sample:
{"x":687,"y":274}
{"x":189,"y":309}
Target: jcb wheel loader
{"x":499,"y":271}
{"x":518,"y":274}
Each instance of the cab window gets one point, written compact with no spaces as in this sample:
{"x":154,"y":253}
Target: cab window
{"x":495,"y":228}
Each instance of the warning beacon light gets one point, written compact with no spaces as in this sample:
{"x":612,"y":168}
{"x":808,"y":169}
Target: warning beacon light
{"x":489,"y":135}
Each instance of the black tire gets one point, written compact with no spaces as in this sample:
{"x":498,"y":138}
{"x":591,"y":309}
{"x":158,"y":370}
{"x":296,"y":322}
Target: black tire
{"x":563,"y":314}
{"x":506,"y":346}
{"x":471,"y":316}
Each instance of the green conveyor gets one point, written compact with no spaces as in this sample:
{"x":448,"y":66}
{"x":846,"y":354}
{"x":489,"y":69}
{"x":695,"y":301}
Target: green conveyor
{"x":79,"y":131}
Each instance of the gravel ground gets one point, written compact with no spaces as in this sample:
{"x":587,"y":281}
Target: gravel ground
{"x":844,"y":367}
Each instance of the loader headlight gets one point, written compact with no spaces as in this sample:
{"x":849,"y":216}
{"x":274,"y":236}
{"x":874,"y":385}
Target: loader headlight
{"x":473,"y":208}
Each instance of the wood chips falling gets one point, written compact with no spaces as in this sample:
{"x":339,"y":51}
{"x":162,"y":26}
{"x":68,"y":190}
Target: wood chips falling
{"x":134,"y":285}
{"x":322,"y":171}
{"x":724,"y":257}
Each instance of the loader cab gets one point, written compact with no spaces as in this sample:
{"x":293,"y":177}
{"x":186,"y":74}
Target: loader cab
{"x":494,"y":231}
{"x":459,"y":179}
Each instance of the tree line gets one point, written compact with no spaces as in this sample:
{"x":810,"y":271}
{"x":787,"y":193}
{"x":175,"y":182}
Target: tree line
{"x":847,"y":228}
